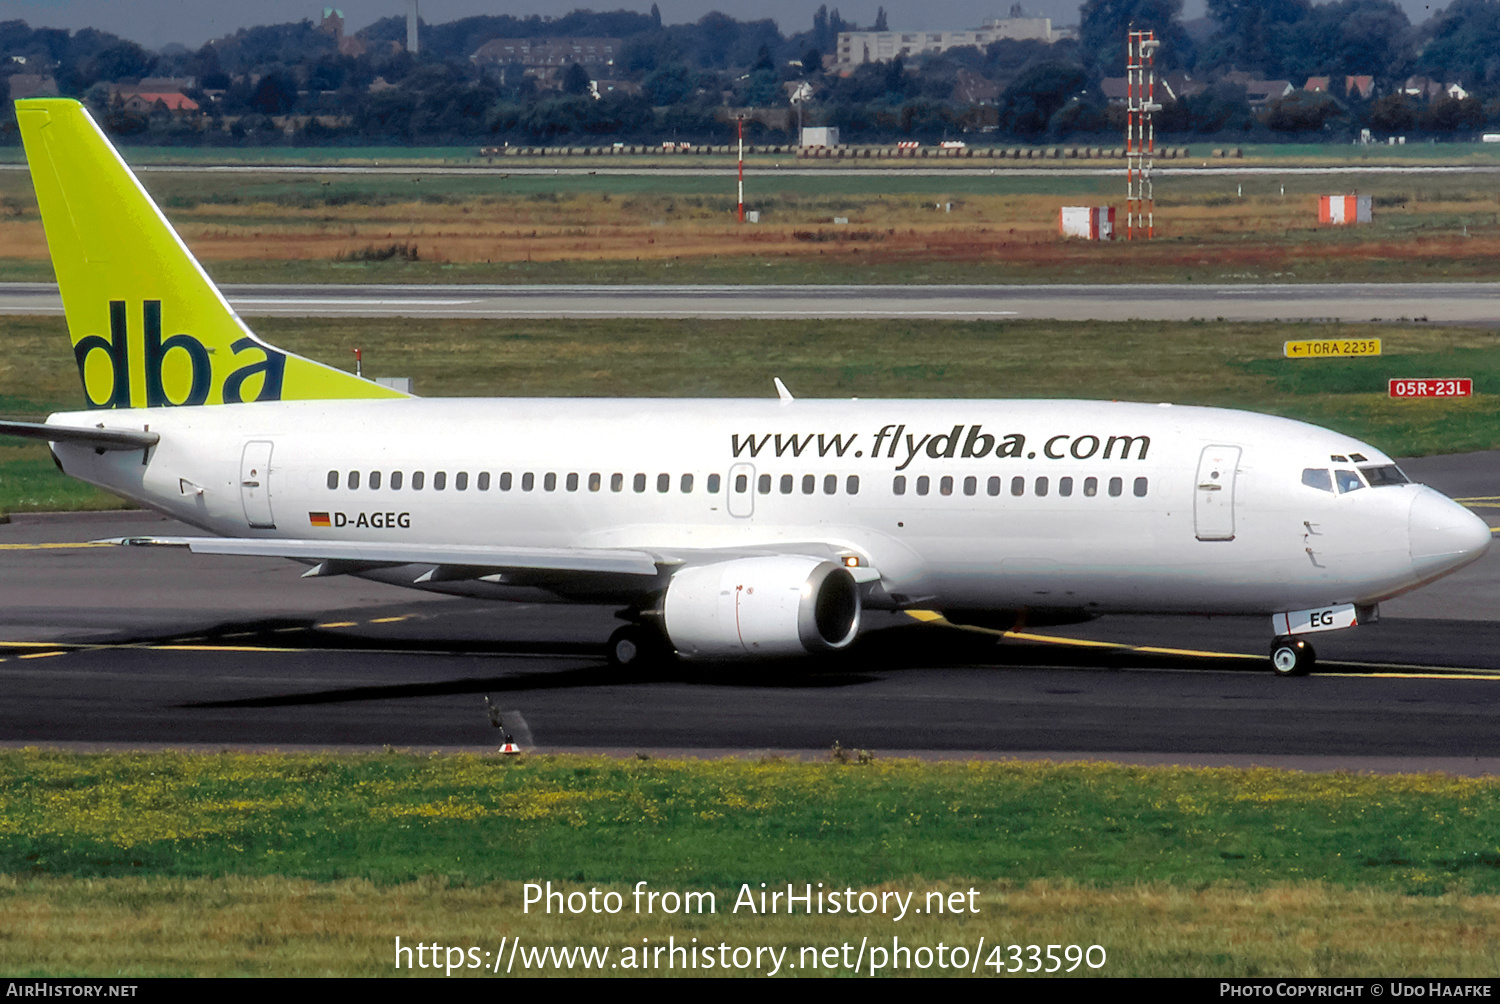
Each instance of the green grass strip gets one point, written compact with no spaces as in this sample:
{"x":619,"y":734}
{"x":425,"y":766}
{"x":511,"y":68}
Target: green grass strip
{"x":716,"y":824}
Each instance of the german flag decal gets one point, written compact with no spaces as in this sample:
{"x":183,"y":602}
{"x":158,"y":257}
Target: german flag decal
{"x":319,"y":519}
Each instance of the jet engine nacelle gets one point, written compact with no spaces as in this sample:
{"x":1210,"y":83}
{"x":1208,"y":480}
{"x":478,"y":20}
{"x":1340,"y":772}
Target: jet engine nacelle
{"x":779,"y":605}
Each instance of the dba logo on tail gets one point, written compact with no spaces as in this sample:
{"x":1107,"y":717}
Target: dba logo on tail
{"x":186,"y":378}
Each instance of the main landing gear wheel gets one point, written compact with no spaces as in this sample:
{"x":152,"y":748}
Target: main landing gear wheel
{"x":634,"y":647}
{"x":1292,"y":657}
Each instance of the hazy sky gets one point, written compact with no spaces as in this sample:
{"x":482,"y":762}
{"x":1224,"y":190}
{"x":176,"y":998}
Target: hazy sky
{"x":154,"y":23}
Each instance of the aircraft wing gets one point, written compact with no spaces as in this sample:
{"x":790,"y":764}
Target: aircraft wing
{"x":343,"y":556}
{"x":574,"y":571}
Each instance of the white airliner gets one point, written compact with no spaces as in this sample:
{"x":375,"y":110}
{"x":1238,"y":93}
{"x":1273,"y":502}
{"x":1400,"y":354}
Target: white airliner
{"x":727,"y":529}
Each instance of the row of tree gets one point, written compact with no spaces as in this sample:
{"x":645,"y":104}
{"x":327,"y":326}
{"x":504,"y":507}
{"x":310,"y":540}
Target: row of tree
{"x":674,"y":80}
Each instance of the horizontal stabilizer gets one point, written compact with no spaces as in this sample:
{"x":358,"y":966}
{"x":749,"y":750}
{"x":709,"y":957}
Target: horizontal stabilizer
{"x":99,"y":438}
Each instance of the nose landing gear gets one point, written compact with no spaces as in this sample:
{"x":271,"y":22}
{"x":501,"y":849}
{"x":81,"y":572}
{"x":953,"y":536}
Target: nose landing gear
{"x":1292,"y":656}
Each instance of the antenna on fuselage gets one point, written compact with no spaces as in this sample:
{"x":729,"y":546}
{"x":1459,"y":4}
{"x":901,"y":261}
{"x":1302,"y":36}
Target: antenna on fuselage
{"x":781,"y":390}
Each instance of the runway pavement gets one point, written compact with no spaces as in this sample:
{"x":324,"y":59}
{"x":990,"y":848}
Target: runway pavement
{"x":1449,"y":302}
{"x":132,"y":646}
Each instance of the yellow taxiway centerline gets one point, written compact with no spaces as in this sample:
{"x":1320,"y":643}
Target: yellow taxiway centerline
{"x":1393,"y":672}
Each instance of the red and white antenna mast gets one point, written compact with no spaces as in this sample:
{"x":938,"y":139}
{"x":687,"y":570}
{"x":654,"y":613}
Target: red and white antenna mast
{"x":1140,"y":132}
{"x":740,"y":122}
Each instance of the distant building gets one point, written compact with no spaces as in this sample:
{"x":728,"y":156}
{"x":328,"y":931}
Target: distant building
{"x":146,"y":103}
{"x":972,"y":89}
{"x":1427,"y":89}
{"x":856,"y":47}
{"x":333,"y":22}
{"x":1362,"y":85}
{"x":1259,"y":93}
{"x":348,"y":45}
{"x":1422,"y":87}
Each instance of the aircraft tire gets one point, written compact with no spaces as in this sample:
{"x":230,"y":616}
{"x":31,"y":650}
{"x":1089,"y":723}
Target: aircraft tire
{"x":633,"y":647}
{"x":1292,"y":657}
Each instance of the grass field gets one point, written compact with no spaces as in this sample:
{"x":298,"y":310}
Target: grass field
{"x":1227,"y":365}
{"x":583,"y":228}
{"x":166,"y":864}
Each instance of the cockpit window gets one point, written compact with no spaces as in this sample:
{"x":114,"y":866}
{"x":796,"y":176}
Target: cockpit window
{"x":1384,"y":475}
{"x":1319,"y":478}
{"x":1348,"y":481}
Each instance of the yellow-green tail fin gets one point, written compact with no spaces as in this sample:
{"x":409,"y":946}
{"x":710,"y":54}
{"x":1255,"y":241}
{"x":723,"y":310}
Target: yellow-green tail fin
{"x":149,"y":328}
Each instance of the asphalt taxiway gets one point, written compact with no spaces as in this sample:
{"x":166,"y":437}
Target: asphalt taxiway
{"x":124,"y":647}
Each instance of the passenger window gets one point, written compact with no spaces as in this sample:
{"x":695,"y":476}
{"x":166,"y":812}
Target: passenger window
{"x":1090,"y":487}
{"x":572,"y":482}
{"x":1140,"y":488}
{"x":483,"y":481}
{"x":971,"y":485}
{"x":418,"y":479}
{"x":333,"y":480}
{"x":664,"y":482}
{"x":713,"y":484}
{"x":1348,"y":481}
{"x":1116,"y":486}
{"x":616,"y":482}
{"x":374,"y":480}
{"x":460,"y":481}
{"x":687,"y":483}
{"x":439,"y":480}
{"x":922,"y":484}
{"x":898,"y":486}
{"x":549,"y":482}
{"x":851,"y":484}
{"x":596,"y":481}
{"x":830,"y":484}
{"x":741,"y":482}
{"x":1041,"y":487}
{"x":993,"y":486}
{"x":765,"y":484}
{"x":353,"y":479}
{"x":638,"y":482}
{"x":946,"y":485}
{"x":505,"y":481}
{"x":395,"y":481}
{"x":809,"y":484}
{"x":1317,"y":477}
{"x":1065,"y":487}
{"x":786,"y":484}
{"x":1018,"y":486}
{"x":528,"y":481}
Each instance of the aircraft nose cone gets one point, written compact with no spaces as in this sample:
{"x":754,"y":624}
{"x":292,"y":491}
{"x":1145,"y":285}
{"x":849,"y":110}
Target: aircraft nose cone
{"x":1443,"y":533}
